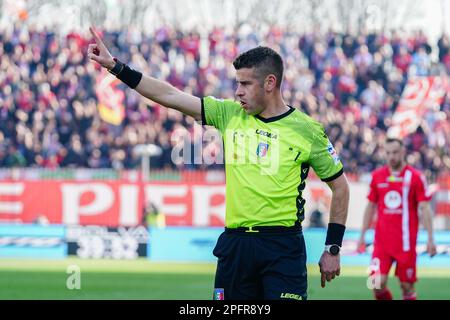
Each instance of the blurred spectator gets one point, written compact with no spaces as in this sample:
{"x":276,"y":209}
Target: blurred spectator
{"x":402,"y":60}
{"x":420,"y":64}
{"x":14,"y":158}
{"x":351,"y":83}
{"x":41,"y":220}
{"x":153,"y":217}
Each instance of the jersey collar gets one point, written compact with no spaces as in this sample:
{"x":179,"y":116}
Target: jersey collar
{"x":399,"y":173}
{"x":272,"y":119}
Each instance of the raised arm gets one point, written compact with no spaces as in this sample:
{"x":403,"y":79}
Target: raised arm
{"x":159,"y":91}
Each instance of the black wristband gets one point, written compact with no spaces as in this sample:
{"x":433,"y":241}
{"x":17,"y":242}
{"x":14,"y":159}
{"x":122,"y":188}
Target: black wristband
{"x":126,"y":74}
{"x":118,"y":67}
{"x":335,"y":234}
{"x":130,"y":77}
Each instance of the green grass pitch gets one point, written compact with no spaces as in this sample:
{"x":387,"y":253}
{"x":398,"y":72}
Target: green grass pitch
{"x":143,"y":279}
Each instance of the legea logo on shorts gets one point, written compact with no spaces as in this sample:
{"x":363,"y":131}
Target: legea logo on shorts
{"x":393,"y":199}
{"x":291,"y":296}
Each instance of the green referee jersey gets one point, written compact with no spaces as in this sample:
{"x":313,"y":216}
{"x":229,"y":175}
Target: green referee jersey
{"x":267,"y":162}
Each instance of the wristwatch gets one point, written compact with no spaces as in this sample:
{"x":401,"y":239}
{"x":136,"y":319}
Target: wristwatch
{"x":333,"y":249}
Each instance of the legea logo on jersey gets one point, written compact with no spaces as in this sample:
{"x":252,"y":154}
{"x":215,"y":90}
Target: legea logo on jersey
{"x":393,"y":199}
{"x":261,"y":151}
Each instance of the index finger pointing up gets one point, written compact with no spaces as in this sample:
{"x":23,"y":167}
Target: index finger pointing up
{"x":96,"y":37}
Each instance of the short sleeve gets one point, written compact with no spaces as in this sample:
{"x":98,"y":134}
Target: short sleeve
{"x":422,"y":193}
{"x":324,"y":158}
{"x":373,"y":194}
{"x":218,"y":112}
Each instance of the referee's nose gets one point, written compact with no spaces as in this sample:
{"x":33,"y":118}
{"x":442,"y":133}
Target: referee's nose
{"x":239,"y":91}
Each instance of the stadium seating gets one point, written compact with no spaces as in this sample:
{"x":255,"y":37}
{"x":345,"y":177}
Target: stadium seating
{"x":352,"y":84}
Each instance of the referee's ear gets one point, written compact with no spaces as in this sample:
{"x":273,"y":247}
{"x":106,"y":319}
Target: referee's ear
{"x":270,"y":83}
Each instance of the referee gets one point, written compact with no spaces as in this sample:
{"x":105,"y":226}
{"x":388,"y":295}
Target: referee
{"x":269,"y":149}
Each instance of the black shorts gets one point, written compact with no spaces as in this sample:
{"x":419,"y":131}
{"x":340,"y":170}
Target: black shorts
{"x":263,"y":265}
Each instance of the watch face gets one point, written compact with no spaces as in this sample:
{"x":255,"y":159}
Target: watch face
{"x":334,"y":250}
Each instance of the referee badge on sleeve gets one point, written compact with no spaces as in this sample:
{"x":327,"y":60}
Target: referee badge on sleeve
{"x":333,"y":152}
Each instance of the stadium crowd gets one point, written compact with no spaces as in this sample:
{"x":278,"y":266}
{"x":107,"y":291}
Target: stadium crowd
{"x":352,"y":84}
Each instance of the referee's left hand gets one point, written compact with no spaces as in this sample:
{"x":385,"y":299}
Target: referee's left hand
{"x":330,"y":267}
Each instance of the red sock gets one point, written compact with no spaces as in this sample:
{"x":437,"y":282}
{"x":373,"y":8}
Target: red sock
{"x":383,"y":295}
{"x":410,"y":296}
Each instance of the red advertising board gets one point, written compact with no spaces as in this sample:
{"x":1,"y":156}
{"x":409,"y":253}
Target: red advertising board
{"x":184,"y":203}
{"x":111,"y":203}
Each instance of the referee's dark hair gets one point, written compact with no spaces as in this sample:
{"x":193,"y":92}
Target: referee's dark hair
{"x":265,"y":61}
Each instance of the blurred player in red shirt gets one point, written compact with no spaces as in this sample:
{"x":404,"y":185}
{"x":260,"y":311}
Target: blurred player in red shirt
{"x":397,"y":193}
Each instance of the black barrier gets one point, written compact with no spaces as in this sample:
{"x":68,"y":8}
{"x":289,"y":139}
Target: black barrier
{"x":257,"y":310}
{"x":96,"y":242}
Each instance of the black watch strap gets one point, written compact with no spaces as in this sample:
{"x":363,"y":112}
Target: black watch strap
{"x":118,"y":67}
